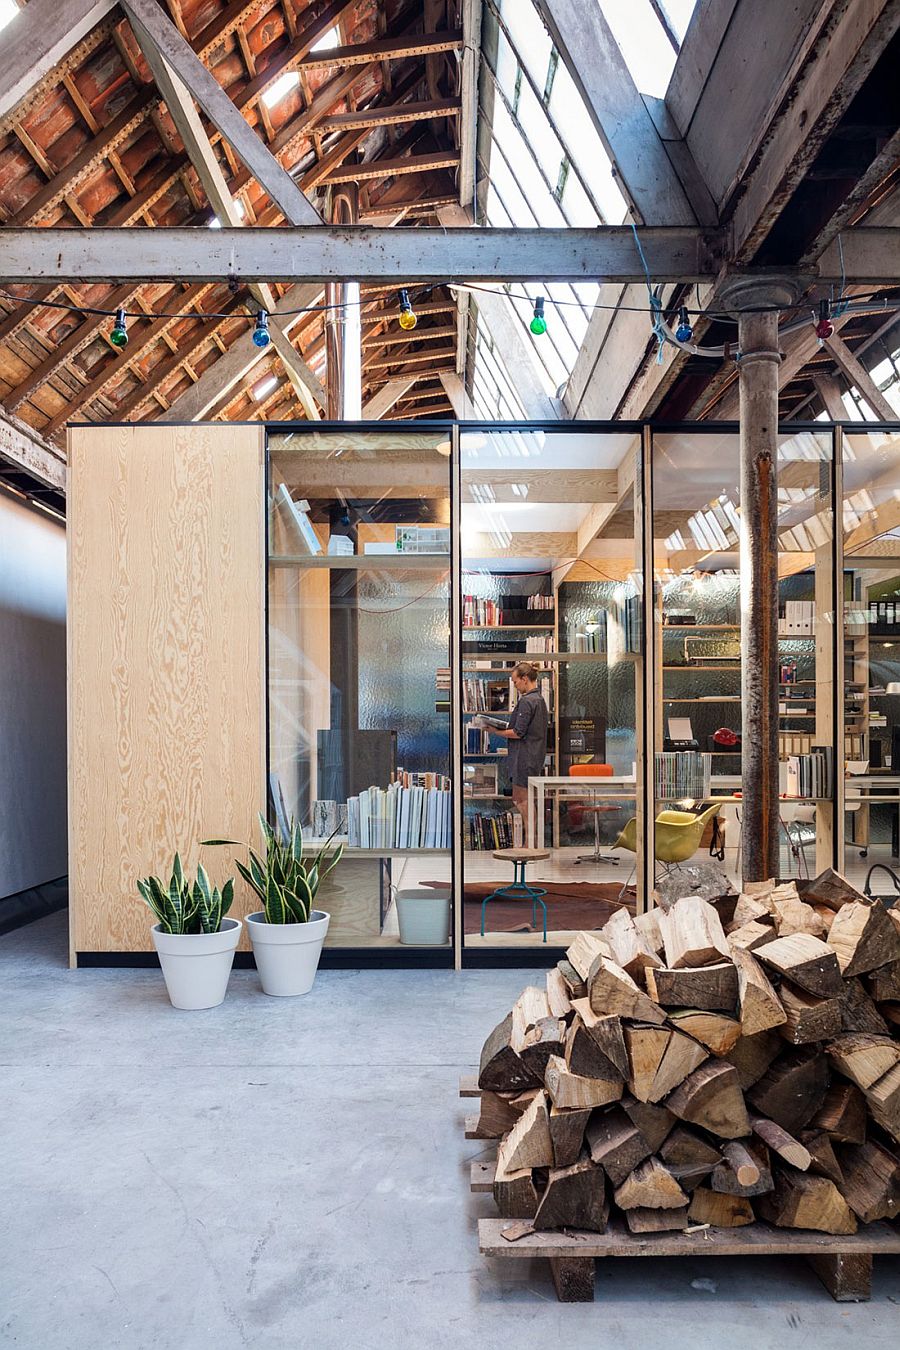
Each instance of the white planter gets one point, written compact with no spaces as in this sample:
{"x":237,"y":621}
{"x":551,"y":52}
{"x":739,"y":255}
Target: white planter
{"x":423,"y":913}
{"x":196,"y":966}
{"x":287,"y":954}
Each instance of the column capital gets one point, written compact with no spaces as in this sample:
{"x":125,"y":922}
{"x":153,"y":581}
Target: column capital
{"x":742,"y":291}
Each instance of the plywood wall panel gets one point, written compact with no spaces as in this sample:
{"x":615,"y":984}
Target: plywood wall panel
{"x":166,"y":662}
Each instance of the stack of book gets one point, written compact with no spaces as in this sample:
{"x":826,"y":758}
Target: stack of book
{"x":683,"y":773}
{"x":480,"y":695}
{"x":591,"y":636}
{"x":478,"y":742}
{"x":798,"y":619}
{"x":807,"y":775}
{"x":539,"y":642}
{"x":540,"y":602}
{"x":484,"y":832}
{"x":479,"y":613}
{"x":400,"y":817}
{"x":628,"y":616}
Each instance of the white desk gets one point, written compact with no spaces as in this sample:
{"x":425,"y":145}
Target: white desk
{"x":606,"y":788}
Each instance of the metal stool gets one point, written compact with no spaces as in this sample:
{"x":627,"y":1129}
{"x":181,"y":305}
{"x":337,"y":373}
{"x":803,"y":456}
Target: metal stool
{"x":519,"y":890}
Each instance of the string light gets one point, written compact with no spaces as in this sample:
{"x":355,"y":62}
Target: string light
{"x":119,"y":335}
{"x":824,"y":328}
{"x":408,"y":319}
{"x":261,"y":331}
{"x":684,"y":332}
{"x":538,"y":323}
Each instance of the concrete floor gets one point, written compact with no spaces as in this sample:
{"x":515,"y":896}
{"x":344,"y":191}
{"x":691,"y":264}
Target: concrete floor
{"x":294,"y":1174}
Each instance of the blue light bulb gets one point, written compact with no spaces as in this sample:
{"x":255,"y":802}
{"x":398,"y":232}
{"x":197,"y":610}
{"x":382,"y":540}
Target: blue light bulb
{"x":261,"y":331}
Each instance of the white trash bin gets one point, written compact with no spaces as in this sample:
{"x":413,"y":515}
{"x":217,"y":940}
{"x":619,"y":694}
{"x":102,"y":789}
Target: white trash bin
{"x":423,"y":913}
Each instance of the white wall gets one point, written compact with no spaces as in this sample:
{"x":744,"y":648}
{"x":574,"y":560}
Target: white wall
{"x":32,"y":697}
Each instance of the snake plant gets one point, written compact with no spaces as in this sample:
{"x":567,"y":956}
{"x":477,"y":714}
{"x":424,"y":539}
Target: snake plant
{"x":183,"y":907}
{"x":285,"y":880}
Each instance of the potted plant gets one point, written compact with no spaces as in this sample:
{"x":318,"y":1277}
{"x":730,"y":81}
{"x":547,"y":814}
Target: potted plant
{"x":288,"y":932}
{"x":193,"y":939}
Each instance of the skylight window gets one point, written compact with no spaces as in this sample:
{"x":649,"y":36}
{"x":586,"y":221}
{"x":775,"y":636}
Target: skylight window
{"x":8,"y":11}
{"x":264,"y":387}
{"x":330,"y":39}
{"x":282,"y":86}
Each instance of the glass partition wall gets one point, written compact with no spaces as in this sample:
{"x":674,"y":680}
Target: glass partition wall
{"x":434,"y":586}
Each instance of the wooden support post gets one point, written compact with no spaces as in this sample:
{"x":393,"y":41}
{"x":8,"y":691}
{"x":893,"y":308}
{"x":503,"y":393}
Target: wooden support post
{"x":573,"y":1277}
{"x":756,"y":304}
{"x":846,"y":1275}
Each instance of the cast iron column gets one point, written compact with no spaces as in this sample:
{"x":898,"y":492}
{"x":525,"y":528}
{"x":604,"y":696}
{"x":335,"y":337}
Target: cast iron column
{"x":758,"y":376}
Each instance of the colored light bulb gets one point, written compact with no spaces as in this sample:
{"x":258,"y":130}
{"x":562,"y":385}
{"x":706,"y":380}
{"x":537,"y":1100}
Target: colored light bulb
{"x":684,"y":332}
{"x":261,"y":331}
{"x":824,"y":328}
{"x":119,"y":335}
{"x":538,"y":323}
{"x":408,"y":319}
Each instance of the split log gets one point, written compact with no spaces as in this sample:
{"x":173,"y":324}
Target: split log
{"x":711,"y":1097}
{"x":830,"y":889}
{"x":752,"y":1055}
{"x":649,"y":928}
{"x":611,"y":990}
{"x":883,"y":983}
{"x":682,"y":1056}
{"x":711,"y":988}
{"x":646,"y":1047}
{"x":693,"y":934}
{"x":584,"y":951}
{"x":891,"y":1013}
{"x":630,"y":949}
{"x":751,"y":909}
{"x":495,"y":1116}
{"x":792,"y":1089}
{"x":822,"y":1158}
{"x":863,"y":937}
{"x":584,"y":1056}
{"x":656,"y":1220}
{"x":806,"y":961}
{"x":654,"y":1122}
{"x":567,"y":1134}
{"x":858,"y":1012}
{"x":742,"y":1171}
{"x":689,"y":1158}
{"x":760,"y":1007}
{"x":871,"y":1181}
{"x":650,"y":1186}
{"x":573,"y":981}
{"x":802,"y":1200}
{"x":558,"y":994}
{"x":528,"y":1143}
{"x":863,"y":1058}
{"x":606,"y":1030}
{"x":808,"y":1018}
{"x":500,"y":1068}
{"x":788,"y":1148}
{"x":572,"y":1090}
{"x":751,"y":935}
{"x":515,"y":1194}
{"x":883,"y":1098}
{"x":575,"y":1197}
{"x":793,"y":916}
{"x":545,"y":1038}
{"x":719,"y":1210}
{"x":714,"y":1030}
{"x":842,"y":1114}
{"x":616,"y":1144}
{"x":530,"y":1008}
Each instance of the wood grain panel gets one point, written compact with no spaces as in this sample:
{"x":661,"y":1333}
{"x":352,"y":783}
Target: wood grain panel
{"x":166,"y":662}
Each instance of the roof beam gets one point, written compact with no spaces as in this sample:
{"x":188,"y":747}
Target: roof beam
{"x":24,"y":447}
{"x":857,"y":375}
{"x":595,"y":61}
{"x":38,"y":38}
{"x":389,"y":394}
{"x":383,"y":49}
{"x":154,"y":28}
{"x":396,"y":114}
{"x":228,"y":371}
{"x":362,"y":253}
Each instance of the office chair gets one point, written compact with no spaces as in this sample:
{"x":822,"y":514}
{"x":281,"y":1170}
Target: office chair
{"x":595,"y":809}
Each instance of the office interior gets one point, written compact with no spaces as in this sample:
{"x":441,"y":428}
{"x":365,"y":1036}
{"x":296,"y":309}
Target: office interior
{"x":411,"y":568}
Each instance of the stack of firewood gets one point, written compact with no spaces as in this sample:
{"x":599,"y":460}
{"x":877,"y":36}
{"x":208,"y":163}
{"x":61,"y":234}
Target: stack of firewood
{"x":712,"y":1063}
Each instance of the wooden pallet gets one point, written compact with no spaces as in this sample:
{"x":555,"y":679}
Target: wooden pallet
{"x":843,"y":1264}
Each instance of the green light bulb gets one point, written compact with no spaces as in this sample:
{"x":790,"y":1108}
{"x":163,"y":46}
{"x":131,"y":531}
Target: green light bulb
{"x":119,"y":335}
{"x":538,"y":323}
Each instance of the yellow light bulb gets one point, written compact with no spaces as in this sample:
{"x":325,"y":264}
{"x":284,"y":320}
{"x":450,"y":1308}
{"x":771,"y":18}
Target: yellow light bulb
{"x":408,"y":320}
